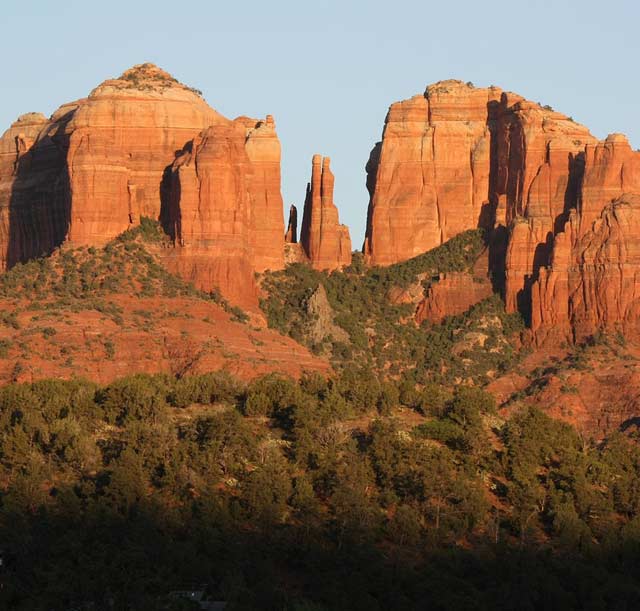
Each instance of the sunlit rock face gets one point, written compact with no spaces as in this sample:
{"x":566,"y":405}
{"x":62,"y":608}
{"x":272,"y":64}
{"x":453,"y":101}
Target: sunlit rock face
{"x":325,"y":241}
{"x":559,"y":206}
{"x":98,"y":165}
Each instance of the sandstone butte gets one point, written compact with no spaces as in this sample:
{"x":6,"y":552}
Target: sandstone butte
{"x":561,"y":208}
{"x":326,"y":243}
{"x":99,"y":164}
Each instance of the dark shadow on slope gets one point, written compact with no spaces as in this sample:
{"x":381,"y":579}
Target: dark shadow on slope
{"x":95,"y":555}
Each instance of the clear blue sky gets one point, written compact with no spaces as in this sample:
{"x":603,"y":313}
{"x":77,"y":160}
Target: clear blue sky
{"x":328,"y":70}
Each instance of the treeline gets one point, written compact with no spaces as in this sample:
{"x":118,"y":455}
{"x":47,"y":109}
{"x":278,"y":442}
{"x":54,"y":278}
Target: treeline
{"x":347,"y":493}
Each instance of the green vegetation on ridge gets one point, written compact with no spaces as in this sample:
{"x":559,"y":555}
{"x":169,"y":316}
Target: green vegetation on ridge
{"x":84,"y":278}
{"x":381,"y":333}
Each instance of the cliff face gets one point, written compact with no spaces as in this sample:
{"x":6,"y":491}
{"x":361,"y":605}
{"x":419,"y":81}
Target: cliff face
{"x":429,"y":178}
{"x":223,"y":211}
{"x":99,"y":164}
{"x":325,"y":241}
{"x":557,"y":203}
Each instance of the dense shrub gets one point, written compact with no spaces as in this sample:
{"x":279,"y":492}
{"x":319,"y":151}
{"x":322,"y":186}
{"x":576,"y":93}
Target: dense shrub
{"x":137,"y":397}
{"x":278,"y":509}
{"x":208,"y":388}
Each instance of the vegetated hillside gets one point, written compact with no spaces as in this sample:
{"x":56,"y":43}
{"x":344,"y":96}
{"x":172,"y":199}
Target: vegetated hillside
{"x":306,"y":495}
{"x":106,"y":312}
{"x":594,"y":386}
{"x":357,"y":322}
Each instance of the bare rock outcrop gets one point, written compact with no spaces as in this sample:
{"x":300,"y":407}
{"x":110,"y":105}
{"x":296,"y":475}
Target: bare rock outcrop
{"x":325,"y":241}
{"x":452,"y":294}
{"x":559,"y":207}
{"x":98,"y":165}
{"x":323,"y":326}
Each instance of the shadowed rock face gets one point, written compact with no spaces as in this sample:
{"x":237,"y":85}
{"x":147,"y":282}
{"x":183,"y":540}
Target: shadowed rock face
{"x":34,"y":186}
{"x":460,"y":157}
{"x":325,"y":241}
{"x":99,"y":164}
{"x":291,"y":237}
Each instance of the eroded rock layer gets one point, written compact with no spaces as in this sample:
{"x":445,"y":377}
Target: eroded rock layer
{"x":559,"y":206}
{"x":324,"y":240}
{"x":429,"y":178}
{"x":98,"y":165}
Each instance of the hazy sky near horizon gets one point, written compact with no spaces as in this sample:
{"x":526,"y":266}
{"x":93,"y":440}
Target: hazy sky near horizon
{"x":328,"y":70}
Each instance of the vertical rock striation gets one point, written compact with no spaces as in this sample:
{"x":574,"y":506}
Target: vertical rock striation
{"x":560,"y":207}
{"x":325,"y":241}
{"x":98,"y":165}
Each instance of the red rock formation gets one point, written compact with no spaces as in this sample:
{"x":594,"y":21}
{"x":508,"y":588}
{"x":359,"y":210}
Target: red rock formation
{"x":121,"y":140}
{"x":99,"y":164}
{"x":325,"y":241}
{"x":266,"y":212}
{"x":210,"y":213}
{"x":593,"y":280}
{"x":611,"y":169}
{"x":34,"y":186}
{"x":15,"y":143}
{"x":429,"y":178}
{"x":291,"y":237}
{"x":589,"y":283}
{"x":543,"y":156}
{"x":459,"y":157}
{"x":225,"y":207}
{"x":454,"y":293}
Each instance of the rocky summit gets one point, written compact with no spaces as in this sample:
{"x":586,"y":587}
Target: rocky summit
{"x":192,"y":393}
{"x":559,"y":210}
{"x":558,"y":205}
